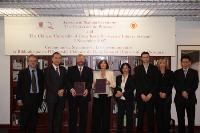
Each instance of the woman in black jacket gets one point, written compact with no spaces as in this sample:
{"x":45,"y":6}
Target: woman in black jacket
{"x":124,"y":94}
{"x":164,"y":97}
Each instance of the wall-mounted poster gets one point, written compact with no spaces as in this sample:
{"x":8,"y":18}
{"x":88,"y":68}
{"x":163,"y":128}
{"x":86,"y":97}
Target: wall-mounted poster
{"x":117,"y":36}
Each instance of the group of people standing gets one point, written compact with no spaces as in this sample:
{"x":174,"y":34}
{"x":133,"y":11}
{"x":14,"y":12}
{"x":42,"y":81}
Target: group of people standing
{"x":153,"y":86}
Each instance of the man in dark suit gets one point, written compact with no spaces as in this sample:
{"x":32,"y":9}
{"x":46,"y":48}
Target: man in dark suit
{"x":29,"y":95}
{"x":55,"y":83}
{"x":78,"y":104}
{"x":186,"y":84}
{"x":146,"y":81}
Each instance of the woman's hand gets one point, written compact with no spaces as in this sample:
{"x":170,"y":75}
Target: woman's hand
{"x":119,"y":94}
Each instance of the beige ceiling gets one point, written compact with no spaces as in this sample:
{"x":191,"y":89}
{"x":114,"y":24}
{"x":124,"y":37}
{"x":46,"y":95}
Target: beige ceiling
{"x":181,"y":9}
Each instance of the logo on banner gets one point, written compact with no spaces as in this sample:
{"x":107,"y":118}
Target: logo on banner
{"x":134,"y":25}
{"x":48,"y":25}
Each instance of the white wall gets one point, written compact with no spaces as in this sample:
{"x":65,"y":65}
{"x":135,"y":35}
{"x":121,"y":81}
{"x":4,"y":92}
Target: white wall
{"x":187,"y":33}
{"x":4,"y":80}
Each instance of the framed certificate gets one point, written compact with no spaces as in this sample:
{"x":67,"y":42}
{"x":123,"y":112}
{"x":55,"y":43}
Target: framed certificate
{"x":100,"y":86}
{"x":79,"y":88}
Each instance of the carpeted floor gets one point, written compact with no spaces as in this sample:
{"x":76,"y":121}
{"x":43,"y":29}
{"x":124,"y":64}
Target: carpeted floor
{"x":3,"y":131}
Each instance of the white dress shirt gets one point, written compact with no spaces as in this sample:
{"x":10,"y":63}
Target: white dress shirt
{"x":185,"y":70}
{"x":146,"y":67}
{"x":123,"y":83}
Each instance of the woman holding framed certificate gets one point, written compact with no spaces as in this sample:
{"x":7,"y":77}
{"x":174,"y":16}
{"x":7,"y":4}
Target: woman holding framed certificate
{"x":103,"y":84}
{"x":124,"y":95}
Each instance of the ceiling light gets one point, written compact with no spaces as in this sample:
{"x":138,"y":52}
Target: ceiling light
{"x":17,"y":12}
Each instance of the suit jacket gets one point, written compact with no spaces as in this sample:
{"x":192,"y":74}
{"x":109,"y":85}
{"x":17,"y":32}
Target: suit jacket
{"x":54,"y":83}
{"x":146,"y":82}
{"x":24,"y":85}
{"x":128,"y":89}
{"x":73,"y":75}
{"x":165,"y":85}
{"x":188,"y":83}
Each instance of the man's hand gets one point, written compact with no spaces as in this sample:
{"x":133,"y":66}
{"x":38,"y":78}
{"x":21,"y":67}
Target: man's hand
{"x":143,"y":97}
{"x":61,"y":93}
{"x":19,"y":103}
{"x":148,"y":97}
{"x":162,"y":95}
{"x":185,"y":94}
{"x":119,"y":94}
{"x":85,"y":93}
{"x":73,"y":92}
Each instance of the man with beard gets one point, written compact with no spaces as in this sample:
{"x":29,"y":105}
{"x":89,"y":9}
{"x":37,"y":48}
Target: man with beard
{"x":78,"y":103}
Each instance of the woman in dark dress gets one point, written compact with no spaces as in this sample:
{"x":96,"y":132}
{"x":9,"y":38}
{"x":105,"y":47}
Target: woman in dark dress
{"x":124,"y":94}
{"x":164,"y":97}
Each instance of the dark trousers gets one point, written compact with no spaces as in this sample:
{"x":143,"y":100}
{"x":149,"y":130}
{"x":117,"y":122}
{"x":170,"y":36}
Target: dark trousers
{"x":101,"y":110}
{"x":55,"y":112}
{"x":125,"y":108}
{"x":190,"y":110}
{"x":163,"y":116}
{"x":28,"y":114}
{"x":78,"y":106}
{"x":149,"y":109}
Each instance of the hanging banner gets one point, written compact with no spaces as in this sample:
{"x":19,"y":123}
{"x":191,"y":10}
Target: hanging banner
{"x":119,"y":36}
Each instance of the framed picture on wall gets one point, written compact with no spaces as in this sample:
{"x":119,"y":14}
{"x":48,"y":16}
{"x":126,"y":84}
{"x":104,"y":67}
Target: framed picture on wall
{"x":193,"y":51}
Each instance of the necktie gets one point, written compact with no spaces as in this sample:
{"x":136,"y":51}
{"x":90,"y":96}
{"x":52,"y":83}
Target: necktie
{"x":185,"y":72}
{"x":57,"y":71}
{"x":80,"y":70}
{"x":33,"y":82}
